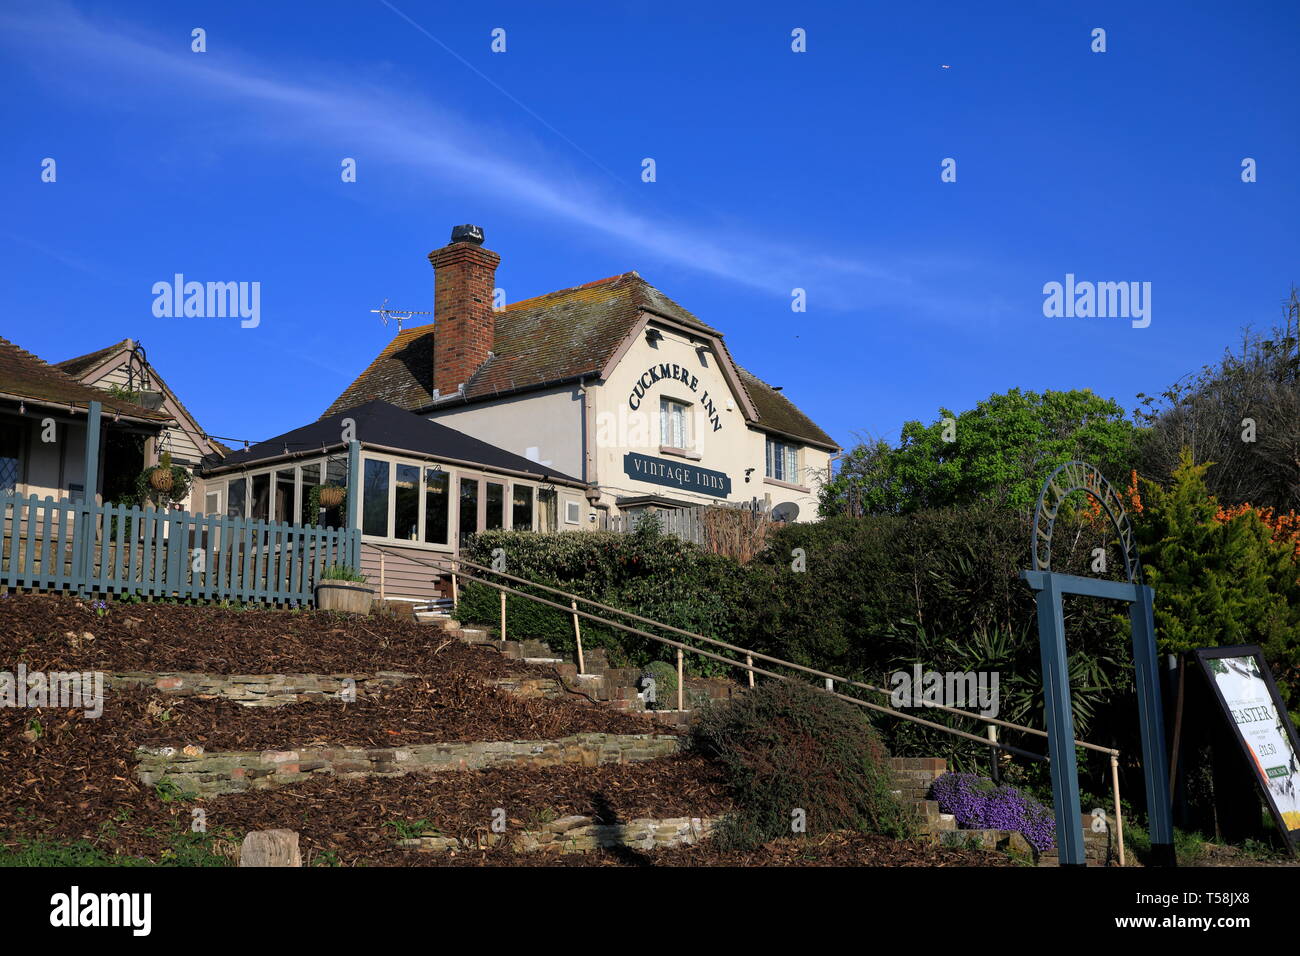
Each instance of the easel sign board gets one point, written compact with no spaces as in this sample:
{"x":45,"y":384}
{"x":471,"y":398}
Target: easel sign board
{"x":1244,"y":686}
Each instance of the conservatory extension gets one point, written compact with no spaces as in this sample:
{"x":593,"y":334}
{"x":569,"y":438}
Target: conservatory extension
{"x":424,"y":488}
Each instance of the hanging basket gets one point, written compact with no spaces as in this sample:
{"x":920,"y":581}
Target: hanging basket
{"x":331,"y":496}
{"x":160,"y":479}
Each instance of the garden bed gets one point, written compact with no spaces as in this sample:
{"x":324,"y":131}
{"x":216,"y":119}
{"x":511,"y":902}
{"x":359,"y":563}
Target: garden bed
{"x":133,"y":636}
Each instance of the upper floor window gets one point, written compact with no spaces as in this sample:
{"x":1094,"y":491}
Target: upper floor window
{"x":674,"y":423}
{"x":782,"y":461}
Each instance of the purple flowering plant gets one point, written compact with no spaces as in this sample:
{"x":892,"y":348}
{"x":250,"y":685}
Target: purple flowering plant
{"x":979,"y":804}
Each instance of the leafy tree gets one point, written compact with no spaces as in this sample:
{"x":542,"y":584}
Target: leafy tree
{"x":1243,"y":413}
{"x":999,"y":451}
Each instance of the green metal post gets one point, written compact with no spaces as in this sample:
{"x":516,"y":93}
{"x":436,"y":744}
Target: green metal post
{"x":1060,"y":724}
{"x":354,"y":503}
{"x":85,"y":554}
{"x":1151,"y":720}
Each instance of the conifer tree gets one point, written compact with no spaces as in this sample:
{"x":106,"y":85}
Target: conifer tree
{"x":1219,"y":582}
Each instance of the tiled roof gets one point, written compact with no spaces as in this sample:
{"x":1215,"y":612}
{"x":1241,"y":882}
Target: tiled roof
{"x":79,"y":366}
{"x":778,"y":413}
{"x":25,"y":376}
{"x":550,"y":339}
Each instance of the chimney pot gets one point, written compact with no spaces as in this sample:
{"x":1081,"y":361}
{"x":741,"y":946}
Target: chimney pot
{"x":467,"y":233}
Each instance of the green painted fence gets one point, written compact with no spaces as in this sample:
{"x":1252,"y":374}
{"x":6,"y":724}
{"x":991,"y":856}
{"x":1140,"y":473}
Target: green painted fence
{"x":109,"y":549}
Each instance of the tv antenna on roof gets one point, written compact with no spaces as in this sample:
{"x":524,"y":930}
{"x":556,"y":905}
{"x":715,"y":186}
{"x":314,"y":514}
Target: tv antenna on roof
{"x":399,"y":315}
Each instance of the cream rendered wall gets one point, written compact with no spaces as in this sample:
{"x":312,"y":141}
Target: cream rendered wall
{"x":550,"y":422}
{"x":731,"y":448}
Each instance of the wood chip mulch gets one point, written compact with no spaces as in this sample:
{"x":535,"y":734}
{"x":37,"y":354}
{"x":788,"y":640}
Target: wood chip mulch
{"x":355,"y":819}
{"x":417,"y":711}
{"x":171,"y":637}
{"x":76,"y":779}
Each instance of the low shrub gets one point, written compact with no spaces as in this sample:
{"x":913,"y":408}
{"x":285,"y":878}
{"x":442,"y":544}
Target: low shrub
{"x":665,"y":676}
{"x":787,"y":746}
{"x":342,"y":572}
{"x":980,"y":804}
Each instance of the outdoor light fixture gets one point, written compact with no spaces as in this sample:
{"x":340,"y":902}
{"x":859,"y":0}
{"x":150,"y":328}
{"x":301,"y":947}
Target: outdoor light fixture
{"x":653,"y":335}
{"x":748,"y":472}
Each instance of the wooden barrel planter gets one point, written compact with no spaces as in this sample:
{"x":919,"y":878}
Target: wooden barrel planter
{"x":350,"y":597}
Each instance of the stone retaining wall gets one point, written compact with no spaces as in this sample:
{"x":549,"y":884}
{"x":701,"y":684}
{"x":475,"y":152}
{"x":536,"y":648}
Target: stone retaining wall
{"x":531,"y":687}
{"x":276,"y":690}
{"x":259,"y":690}
{"x":191,"y":769}
{"x":578,"y":834}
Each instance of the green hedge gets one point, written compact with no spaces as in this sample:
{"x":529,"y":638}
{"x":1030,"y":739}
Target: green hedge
{"x":651,"y":574}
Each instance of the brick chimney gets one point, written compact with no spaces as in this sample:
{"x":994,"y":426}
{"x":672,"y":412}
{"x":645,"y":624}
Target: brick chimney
{"x":464,"y":279}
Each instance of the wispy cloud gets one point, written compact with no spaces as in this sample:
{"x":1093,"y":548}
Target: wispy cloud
{"x":304,"y":103}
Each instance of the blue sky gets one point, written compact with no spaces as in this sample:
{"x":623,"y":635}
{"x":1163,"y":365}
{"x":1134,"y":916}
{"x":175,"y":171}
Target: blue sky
{"x":775,"y":170}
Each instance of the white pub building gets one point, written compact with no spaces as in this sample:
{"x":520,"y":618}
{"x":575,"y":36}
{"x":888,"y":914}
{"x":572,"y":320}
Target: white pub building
{"x":611,"y":382}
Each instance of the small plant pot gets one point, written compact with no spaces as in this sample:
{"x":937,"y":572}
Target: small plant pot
{"x":350,"y":597}
{"x":331,"y":496}
{"x":160,"y":479}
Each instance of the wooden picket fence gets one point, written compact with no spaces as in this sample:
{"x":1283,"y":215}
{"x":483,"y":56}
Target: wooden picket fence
{"x":699,"y":525}
{"x":108,"y":549}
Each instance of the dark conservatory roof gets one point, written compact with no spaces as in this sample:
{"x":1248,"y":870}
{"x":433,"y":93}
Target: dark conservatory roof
{"x":380,"y":425}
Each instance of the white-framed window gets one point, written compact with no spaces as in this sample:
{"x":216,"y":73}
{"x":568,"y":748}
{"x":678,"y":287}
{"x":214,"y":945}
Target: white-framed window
{"x":674,"y":423}
{"x":572,"y":512}
{"x":782,"y":461}
{"x":521,"y":507}
{"x":405,"y":501}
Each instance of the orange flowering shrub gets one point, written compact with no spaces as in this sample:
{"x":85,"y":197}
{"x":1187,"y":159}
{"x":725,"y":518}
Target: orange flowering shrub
{"x":1134,"y":495}
{"x":1285,"y":527}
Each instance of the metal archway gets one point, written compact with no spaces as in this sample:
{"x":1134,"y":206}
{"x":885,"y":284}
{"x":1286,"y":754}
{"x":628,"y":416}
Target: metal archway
{"x":1080,"y":476}
{"x":1050,"y":587}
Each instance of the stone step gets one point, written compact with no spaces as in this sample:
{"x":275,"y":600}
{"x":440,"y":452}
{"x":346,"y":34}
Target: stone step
{"x":579,"y":834}
{"x":1008,"y":841}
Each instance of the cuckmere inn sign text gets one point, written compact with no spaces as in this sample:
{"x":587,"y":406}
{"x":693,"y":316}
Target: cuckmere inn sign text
{"x":660,"y":471}
{"x":676,"y":373}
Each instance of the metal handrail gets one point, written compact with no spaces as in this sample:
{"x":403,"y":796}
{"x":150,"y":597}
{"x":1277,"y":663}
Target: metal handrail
{"x":748,"y":666}
{"x":766,"y":657}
